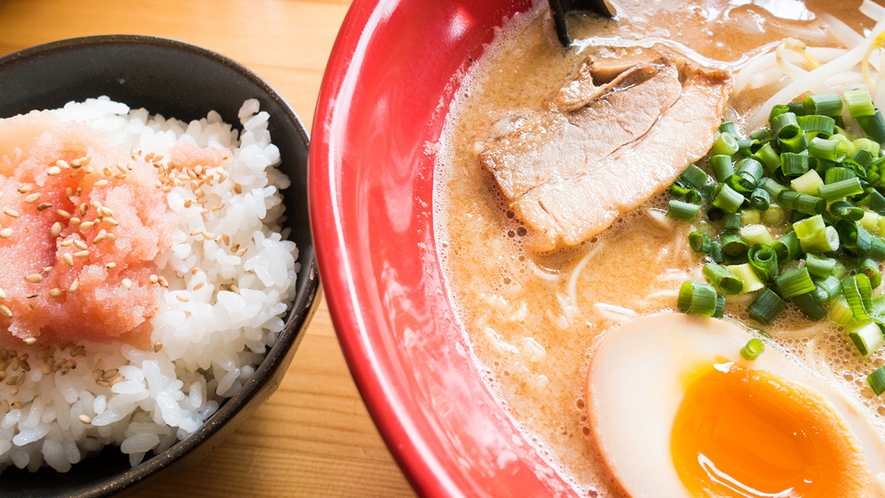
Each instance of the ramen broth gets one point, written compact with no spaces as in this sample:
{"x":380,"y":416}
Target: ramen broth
{"x":532,"y":319}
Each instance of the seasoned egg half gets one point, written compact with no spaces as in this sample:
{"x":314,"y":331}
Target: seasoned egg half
{"x":677,"y":412}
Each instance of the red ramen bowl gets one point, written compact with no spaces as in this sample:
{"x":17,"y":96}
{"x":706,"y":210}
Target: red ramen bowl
{"x":384,"y":99}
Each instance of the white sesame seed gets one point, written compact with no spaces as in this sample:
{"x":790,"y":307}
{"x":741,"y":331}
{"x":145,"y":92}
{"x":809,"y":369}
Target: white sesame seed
{"x":127,"y":283}
{"x":68,"y":259}
{"x":81,"y":254}
{"x":73,"y":288}
{"x":101,"y":183}
{"x":5,"y":311}
{"x":55,"y":292}
{"x":32,"y":198}
{"x":53,"y":170}
{"x":31,"y":340}
{"x":5,"y":233}
{"x":34,"y":278}
{"x":63,"y":213}
{"x":80,"y":244}
{"x":12,"y":213}
{"x":24,"y":189}
{"x":85,"y":419}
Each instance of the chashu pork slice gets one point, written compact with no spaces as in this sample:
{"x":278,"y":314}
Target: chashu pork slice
{"x":569,"y":174}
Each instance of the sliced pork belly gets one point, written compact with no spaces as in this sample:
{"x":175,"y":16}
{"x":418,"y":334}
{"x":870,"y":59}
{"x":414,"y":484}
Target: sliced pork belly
{"x":600,"y":151}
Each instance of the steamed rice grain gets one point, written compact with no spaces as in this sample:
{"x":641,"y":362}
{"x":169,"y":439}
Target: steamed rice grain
{"x":229,"y":279}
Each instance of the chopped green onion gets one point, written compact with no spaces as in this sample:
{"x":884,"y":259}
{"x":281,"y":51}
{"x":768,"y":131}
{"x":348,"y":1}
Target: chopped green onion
{"x":750,"y":170}
{"x":732,"y":221}
{"x":874,"y":125}
{"x":722,"y":167}
{"x":809,"y":226}
{"x":793,"y":164}
{"x":840,"y":189}
{"x":764,"y":262}
{"x":697,"y":299}
{"x":868,"y":144}
{"x":847,"y":211}
{"x":748,"y":276}
{"x":793,"y":283}
{"x":756,"y":234}
{"x":859,"y":103}
{"x":837,"y":174}
{"x":873,"y":200}
{"x":876,"y":380}
{"x":700,"y":242}
{"x":774,"y":215}
{"x":817,"y":124}
{"x":809,"y":306}
{"x":803,"y":203}
{"x":727,"y":199}
{"x":808,"y":183}
{"x":766,"y":306}
{"x":695,"y":176}
{"x":819,"y":266}
{"x":752,"y":349}
{"x":840,"y":312}
{"x":826,"y":104}
{"x":826,"y":240}
{"x":787,"y":248}
{"x":760,"y":199}
{"x":716,"y":252}
{"x":870,"y":268}
{"x":877,"y":248}
{"x":773,"y":188}
{"x":763,"y":134}
{"x":863,"y":157}
{"x":728,"y":127}
{"x":723,"y":280}
{"x":870,"y":221}
{"x":683,"y":210}
{"x":858,"y":294}
{"x":768,"y":157}
{"x":725,"y":144}
{"x":750,"y":216}
{"x":733,"y":246}
{"x":827,"y":289}
{"x":748,"y":146}
{"x":853,"y":237}
{"x":866,"y":336}
{"x":831,"y":150}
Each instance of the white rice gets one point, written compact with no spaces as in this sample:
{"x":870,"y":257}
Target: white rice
{"x":212,"y":337}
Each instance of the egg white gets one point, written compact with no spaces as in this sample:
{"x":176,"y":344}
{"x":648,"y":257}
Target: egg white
{"x":637,"y":380}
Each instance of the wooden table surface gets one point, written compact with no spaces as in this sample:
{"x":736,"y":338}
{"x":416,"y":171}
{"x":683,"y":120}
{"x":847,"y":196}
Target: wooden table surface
{"x":313,"y":437}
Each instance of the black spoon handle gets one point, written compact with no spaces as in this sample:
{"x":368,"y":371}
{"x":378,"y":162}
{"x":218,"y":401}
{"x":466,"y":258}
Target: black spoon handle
{"x":561,"y":8}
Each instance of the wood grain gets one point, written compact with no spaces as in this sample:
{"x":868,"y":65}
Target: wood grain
{"x":313,"y":437}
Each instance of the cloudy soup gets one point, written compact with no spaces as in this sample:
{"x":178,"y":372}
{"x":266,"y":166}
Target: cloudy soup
{"x":535,"y":307}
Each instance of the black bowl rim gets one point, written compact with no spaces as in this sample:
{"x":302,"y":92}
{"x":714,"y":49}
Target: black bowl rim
{"x":301,"y":313}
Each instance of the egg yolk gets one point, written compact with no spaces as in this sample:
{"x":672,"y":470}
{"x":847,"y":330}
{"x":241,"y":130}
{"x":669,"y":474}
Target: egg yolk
{"x":749,"y":433}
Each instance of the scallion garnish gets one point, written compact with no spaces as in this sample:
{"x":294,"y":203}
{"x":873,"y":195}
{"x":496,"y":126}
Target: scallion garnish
{"x":723,"y":280}
{"x":764,"y":262}
{"x":876,"y":380}
{"x":825,"y":104}
{"x":697,"y":299}
{"x":795,"y":213}
{"x":752,"y":349}
{"x":766,"y":306}
{"x":795,"y":282}
{"x":683,"y":210}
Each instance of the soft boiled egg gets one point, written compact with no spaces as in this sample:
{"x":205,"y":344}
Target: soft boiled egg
{"x":677,"y":412}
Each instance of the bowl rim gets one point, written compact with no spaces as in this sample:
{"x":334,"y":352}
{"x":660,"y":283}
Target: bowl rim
{"x":301,"y":312}
{"x":426,"y":473}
